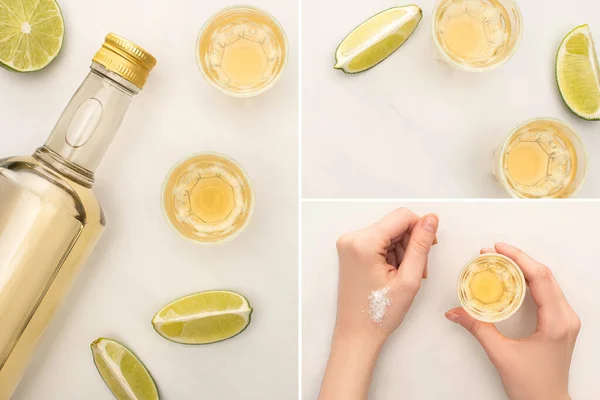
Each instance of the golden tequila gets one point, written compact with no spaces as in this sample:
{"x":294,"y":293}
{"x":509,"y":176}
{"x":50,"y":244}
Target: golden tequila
{"x":476,"y":34}
{"x":50,"y":219}
{"x":208,"y":198}
{"x":542,"y":159}
{"x":242,"y":51}
{"x":491,"y":287}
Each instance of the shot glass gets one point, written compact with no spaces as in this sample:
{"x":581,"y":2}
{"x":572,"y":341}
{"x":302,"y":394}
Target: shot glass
{"x":476,"y":35}
{"x":491,"y":287}
{"x":542,"y":158}
{"x":207,"y":198}
{"x":242,"y":51}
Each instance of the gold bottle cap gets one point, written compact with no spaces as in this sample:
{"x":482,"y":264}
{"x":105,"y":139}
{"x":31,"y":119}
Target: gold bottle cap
{"x":126,"y":59}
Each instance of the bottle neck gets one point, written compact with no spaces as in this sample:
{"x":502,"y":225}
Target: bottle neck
{"x":86,"y":128}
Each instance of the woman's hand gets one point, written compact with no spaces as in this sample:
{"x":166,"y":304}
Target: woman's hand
{"x":380,"y":272}
{"x":536,"y":367}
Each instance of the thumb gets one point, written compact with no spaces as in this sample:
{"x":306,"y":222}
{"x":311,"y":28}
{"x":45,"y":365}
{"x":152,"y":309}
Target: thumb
{"x":421,"y":239}
{"x":486,"y":334}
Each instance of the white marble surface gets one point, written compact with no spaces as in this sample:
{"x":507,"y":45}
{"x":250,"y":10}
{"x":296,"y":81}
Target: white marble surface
{"x":429,"y":357}
{"x":414,"y":127}
{"x":140,"y":264}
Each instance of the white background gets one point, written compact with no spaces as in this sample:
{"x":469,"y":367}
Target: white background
{"x":429,"y":357}
{"x":413,"y":126}
{"x":140,"y":264}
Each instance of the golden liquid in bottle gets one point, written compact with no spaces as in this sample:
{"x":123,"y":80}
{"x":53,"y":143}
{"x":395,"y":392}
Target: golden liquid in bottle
{"x":540,"y":160}
{"x":242,"y":50}
{"x":48,"y":227}
{"x":474,"y":32}
{"x":50,"y":219}
{"x":208,"y":198}
{"x":491,"y":288}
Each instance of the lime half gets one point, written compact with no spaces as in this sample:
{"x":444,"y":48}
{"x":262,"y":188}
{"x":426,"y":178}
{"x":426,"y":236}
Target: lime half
{"x":377,"y":38}
{"x":123,"y":373}
{"x":31,"y":34}
{"x":578,"y":74}
{"x":203,"y":318}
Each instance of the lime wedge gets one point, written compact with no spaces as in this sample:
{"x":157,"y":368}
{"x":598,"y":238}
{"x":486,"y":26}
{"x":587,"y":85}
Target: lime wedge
{"x":31,"y":34}
{"x":578,"y":74}
{"x":203,"y":318}
{"x":375,"y":39}
{"x":123,"y":373}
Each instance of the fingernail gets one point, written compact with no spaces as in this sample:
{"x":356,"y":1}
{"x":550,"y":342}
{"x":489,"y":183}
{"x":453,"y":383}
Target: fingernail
{"x":487,"y":250}
{"x":500,"y":244}
{"x":452,"y":316}
{"x":430,"y":223}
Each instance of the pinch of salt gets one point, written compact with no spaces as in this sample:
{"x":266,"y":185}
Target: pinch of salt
{"x":378,"y":304}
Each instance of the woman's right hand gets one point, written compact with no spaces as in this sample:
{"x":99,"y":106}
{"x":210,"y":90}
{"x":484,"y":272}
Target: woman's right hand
{"x":536,"y":367}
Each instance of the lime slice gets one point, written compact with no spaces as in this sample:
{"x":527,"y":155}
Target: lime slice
{"x":376,"y":38}
{"x":578,"y":74}
{"x":31,"y":34}
{"x":123,"y":373}
{"x":203,"y":318}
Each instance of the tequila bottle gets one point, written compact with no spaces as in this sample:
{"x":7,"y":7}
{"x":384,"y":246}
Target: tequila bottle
{"x":50,"y":219}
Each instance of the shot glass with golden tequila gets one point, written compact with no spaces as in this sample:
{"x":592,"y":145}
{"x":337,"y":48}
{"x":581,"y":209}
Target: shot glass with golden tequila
{"x":476,"y":35}
{"x":208,"y":198}
{"x":491,"y":287}
{"x":542,"y":158}
{"x":242,"y":51}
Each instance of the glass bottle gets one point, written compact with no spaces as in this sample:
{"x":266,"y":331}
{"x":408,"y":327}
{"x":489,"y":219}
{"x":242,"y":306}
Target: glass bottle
{"x":50,"y":219}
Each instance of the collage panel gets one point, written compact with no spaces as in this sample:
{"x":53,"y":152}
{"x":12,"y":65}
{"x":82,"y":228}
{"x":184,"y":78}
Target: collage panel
{"x":367,"y":309}
{"x":185,"y":295}
{"x":443,"y":115}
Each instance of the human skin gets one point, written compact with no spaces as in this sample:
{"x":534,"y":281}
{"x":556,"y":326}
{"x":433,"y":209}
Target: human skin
{"x":393,"y":253}
{"x":536,"y":367}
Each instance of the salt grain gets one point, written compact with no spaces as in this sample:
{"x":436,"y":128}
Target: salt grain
{"x":378,"y":304}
